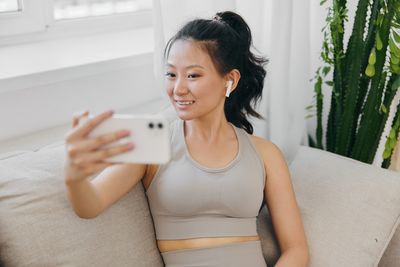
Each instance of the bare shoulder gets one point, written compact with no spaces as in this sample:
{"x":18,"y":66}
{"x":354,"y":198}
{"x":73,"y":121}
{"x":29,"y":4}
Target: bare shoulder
{"x":267,"y":149}
{"x":274,"y":160}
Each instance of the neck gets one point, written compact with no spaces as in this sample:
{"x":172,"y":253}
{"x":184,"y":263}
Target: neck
{"x":208,"y":130}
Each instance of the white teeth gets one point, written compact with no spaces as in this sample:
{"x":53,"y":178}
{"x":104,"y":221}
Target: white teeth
{"x":185,"y":102}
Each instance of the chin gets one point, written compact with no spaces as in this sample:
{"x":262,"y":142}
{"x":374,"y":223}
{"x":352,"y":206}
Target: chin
{"x":184,"y":116}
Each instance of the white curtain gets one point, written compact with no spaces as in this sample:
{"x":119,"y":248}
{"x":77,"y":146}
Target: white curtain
{"x":284,"y":31}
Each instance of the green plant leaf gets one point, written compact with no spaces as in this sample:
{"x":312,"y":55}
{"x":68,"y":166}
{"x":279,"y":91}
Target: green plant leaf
{"x":383,"y":108}
{"x":394,"y":60}
{"x":326,"y":70}
{"x":386,"y":154}
{"x":309,"y":107}
{"x":309,"y":116}
{"x":330,"y":83}
{"x":396,"y":84}
{"x":370,"y":71}
{"x":387,"y":145}
{"x":396,"y":36}
{"x":379,"y":44}
{"x":392,"y":134}
{"x":372,"y":57}
{"x":322,"y":2}
{"x":395,"y":69}
{"x":392,"y":143}
{"x":393,"y":48}
{"x":317,"y":86}
{"x":380,"y":19}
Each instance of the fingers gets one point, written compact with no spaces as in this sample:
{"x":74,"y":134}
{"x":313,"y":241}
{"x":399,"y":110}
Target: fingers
{"x":84,"y":129}
{"x":80,"y":166}
{"x":97,"y":142}
{"x":99,"y":155}
{"x":77,"y":117}
{"x":84,"y":157}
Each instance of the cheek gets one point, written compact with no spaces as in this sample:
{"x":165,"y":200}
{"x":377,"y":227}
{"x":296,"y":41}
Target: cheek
{"x":169,"y":87}
{"x":199,"y":88}
{"x":207,"y":88}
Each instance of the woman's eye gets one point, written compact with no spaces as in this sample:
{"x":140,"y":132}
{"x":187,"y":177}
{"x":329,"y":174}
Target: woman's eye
{"x":169,"y":74}
{"x":193,"y":75}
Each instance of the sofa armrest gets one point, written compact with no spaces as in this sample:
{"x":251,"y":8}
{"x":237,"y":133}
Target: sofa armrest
{"x":350,"y":210}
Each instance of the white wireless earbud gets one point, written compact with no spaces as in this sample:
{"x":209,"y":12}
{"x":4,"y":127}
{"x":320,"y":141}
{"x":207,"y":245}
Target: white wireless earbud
{"x":228,"y":87}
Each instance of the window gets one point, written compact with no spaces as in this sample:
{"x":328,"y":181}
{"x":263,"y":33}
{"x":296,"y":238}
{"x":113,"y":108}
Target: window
{"x":69,"y":9}
{"x":18,"y":17}
{"x":27,"y":20}
{"x":9,"y":6}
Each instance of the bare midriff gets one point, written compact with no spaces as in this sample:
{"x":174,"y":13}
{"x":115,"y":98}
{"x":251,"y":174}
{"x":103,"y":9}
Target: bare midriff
{"x":204,"y":242}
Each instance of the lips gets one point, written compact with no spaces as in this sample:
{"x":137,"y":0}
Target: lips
{"x":184,"y":102}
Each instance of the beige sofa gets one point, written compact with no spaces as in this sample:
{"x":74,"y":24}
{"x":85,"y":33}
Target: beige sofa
{"x":350,"y":212}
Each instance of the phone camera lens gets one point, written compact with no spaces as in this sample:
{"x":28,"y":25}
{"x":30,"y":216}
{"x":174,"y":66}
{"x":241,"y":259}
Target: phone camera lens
{"x":151,"y":125}
{"x":160,"y":125}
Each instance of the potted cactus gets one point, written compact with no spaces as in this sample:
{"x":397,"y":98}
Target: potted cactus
{"x":365,"y":78}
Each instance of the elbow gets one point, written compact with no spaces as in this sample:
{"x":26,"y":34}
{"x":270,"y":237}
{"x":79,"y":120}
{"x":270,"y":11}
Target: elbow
{"x":295,"y":256}
{"x":85,"y":212}
{"x":304,"y":254}
{"x":86,"y":215}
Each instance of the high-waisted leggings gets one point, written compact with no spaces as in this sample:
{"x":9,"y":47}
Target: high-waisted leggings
{"x":248,"y":253}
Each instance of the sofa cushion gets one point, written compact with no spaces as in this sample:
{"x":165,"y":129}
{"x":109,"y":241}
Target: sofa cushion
{"x":391,"y":257}
{"x":350,"y":210}
{"x":39,"y":228}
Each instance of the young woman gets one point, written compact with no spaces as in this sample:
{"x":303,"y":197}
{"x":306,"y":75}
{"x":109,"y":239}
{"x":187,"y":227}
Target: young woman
{"x":206,"y":199}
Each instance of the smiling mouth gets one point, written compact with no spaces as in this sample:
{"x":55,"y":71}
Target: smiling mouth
{"x":184,"y":102}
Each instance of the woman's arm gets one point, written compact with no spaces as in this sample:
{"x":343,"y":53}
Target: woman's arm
{"x":281,"y":202}
{"x":86,"y":157}
{"x":91,"y":198}
{"x":293,"y":257}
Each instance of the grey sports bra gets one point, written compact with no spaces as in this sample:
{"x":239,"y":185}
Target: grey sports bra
{"x":188,"y":200}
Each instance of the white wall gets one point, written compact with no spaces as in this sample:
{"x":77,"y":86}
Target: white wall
{"x":42,"y":83}
{"x":39,"y":115}
{"x":35,"y":108}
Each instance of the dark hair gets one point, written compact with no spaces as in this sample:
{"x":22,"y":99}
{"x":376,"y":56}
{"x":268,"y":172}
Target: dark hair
{"x":227,"y":39}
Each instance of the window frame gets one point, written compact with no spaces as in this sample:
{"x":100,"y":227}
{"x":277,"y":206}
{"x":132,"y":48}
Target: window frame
{"x":30,"y":19}
{"x":37,"y":23}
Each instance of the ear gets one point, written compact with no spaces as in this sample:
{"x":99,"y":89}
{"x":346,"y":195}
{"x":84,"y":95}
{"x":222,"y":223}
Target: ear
{"x":233,"y":78}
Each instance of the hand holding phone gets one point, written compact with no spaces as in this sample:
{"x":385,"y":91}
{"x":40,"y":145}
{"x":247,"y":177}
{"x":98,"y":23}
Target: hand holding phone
{"x":84,"y":156}
{"x":149,"y":134}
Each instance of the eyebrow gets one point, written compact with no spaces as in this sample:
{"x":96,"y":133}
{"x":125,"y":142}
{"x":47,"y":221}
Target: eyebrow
{"x":188,"y":67}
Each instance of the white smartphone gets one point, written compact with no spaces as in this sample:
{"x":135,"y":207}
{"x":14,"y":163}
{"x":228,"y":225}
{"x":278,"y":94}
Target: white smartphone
{"x":149,"y":133}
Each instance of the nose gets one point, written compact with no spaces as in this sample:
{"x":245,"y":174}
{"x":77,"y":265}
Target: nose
{"x":180,"y":87}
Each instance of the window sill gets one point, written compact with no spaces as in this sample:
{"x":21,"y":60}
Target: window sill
{"x":29,"y":65}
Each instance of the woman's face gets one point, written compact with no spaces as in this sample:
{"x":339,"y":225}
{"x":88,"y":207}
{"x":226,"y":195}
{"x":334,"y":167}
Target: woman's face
{"x":193,"y":84}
